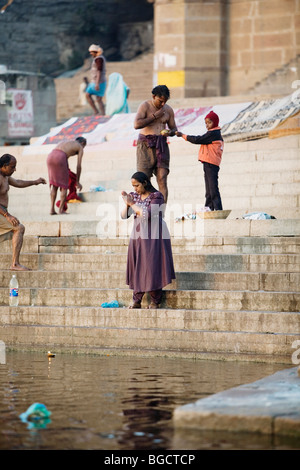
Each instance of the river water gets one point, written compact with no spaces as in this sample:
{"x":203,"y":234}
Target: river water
{"x":117,"y":403}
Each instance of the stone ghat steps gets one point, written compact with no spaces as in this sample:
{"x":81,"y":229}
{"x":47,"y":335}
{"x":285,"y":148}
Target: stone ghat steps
{"x":116,"y":279}
{"x":191,"y":192}
{"x":257,"y":151}
{"x":37,"y":207}
{"x":216,"y":245}
{"x":95,"y":212}
{"x":265,"y":175}
{"x":106,"y":226}
{"x":193,"y":262}
{"x":173,"y":299}
{"x":235,"y":245}
{"x":199,"y":334}
{"x":275,"y":200}
{"x":184,"y":165}
{"x":181,"y":319}
{"x":116,"y":154}
{"x":110,"y":165}
{"x":135,"y":73}
{"x":229,"y":306}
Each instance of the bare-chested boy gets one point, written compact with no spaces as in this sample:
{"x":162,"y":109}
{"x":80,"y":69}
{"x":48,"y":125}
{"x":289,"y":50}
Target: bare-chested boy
{"x":153,"y":156}
{"x":8,"y":223}
{"x":58,"y":170}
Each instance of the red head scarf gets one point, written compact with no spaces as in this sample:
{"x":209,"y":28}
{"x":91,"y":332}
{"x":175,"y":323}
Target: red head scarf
{"x":213,"y":117}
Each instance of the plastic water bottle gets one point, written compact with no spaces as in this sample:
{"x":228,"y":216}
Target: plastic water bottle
{"x":14,"y":291}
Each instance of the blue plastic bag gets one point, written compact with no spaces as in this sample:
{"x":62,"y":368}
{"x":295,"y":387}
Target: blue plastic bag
{"x":36,"y":416}
{"x":112,"y":304}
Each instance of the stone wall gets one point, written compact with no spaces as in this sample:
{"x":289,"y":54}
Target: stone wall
{"x":264,"y":37}
{"x":225,"y":47}
{"x":57,"y":34}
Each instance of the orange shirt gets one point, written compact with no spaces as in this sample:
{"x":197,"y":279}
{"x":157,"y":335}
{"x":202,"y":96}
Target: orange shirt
{"x":211,"y":145}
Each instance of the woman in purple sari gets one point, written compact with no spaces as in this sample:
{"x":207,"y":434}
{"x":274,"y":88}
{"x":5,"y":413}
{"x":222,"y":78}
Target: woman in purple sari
{"x":149,"y":262}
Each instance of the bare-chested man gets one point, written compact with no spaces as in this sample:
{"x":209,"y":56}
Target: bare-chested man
{"x":9,"y":223}
{"x":153,"y":156}
{"x":58,"y":170}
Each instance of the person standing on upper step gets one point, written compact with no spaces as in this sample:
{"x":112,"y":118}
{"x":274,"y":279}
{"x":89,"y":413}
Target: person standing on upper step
{"x":97,"y":85}
{"x":153,"y":156}
{"x":210,"y":154}
{"x":58,"y":170}
{"x":9,"y":224}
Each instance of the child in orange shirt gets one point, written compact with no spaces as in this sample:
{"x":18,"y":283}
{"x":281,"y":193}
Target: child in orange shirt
{"x":210,"y":154}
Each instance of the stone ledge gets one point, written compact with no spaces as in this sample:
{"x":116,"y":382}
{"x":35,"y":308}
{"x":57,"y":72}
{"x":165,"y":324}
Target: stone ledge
{"x":268,"y":406}
{"x":110,"y":228}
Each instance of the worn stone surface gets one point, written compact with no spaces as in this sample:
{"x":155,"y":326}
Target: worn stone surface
{"x":57,"y":34}
{"x":236,"y":296}
{"x":269,"y":406}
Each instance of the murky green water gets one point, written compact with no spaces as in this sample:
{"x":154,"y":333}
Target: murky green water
{"x":117,"y":403}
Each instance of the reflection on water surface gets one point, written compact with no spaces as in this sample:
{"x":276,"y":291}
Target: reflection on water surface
{"x":110,"y":403}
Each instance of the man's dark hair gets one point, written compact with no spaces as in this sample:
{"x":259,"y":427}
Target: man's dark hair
{"x":161,"y":90}
{"x":81,"y":140}
{"x":5,"y":159}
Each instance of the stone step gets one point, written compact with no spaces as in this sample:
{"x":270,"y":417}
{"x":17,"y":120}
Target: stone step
{"x":38,"y":206}
{"x":111,"y":154}
{"x":191,"y":196}
{"x":182,"y":165}
{"x":121,"y":151}
{"x":173,"y":299}
{"x":106,"y":225}
{"x":121,"y":171}
{"x":281,"y":206}
{"x":108,"y":279}
{"x":259,"y":336}
{"x":267,"y":408}
{"x":205,"y":245}
{"x":277,"y":195}
{"x":225,"y":320}
{"x":194,"y":262}
{"x":135,"y":74}
{"x":254,"y":245}
{"x":238,"y":207}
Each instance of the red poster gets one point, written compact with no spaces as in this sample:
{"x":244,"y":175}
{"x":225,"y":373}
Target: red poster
{"x":20,"y":113}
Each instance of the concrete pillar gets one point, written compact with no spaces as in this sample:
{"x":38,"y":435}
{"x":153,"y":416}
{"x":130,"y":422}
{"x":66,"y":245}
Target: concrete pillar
{"x":190,"y":47}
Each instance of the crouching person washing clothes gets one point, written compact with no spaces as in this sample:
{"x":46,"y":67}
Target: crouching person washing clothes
{"x":149,"y":260}
{"x":210,"y":154}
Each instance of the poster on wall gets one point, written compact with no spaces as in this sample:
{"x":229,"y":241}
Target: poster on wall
{"x":19,"y":113}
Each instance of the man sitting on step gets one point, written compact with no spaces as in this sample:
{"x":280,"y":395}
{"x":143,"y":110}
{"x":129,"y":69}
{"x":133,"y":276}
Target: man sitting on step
{"x":8,"y":223}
